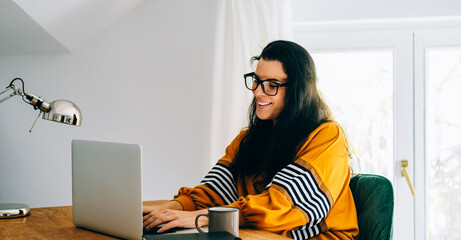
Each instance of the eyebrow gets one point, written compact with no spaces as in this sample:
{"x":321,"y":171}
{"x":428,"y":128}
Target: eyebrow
{"x":269,"y":79}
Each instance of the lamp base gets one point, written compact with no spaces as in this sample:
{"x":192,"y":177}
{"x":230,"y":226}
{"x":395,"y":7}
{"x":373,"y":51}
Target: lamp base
{"x":13,"y":210}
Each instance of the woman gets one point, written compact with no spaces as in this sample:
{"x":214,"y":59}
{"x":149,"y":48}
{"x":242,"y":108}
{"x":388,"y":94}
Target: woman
{"x":288,"y":172}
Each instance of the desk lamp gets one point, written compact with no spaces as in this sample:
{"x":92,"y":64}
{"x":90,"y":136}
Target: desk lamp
{"x":62,"y":111}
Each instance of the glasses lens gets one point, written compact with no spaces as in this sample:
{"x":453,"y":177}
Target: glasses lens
{"x":270,"y":88}
{"x":250,"y":82}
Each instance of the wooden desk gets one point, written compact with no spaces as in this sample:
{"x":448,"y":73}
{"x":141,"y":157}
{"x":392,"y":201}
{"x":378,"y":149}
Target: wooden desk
{"x":56,"y":223}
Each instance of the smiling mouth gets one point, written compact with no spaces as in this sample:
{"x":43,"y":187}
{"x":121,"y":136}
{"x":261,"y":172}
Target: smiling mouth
{"x":264,"y":103}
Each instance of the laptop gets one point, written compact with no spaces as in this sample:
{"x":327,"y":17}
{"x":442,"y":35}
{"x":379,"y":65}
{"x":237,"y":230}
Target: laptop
{"x":106,"y":188}
{"x":106,"y":192}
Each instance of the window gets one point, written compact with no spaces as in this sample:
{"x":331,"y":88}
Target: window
{"x":443,"y":141}
{"x":358,"y":87}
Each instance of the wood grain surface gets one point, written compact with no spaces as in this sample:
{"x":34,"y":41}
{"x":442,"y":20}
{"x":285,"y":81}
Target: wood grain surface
{"x":56,"y":223}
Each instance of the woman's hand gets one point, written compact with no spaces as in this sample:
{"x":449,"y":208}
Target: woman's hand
{"x":173,"y":218}
{"x":175,"y":205}
{"x":172,"y":214}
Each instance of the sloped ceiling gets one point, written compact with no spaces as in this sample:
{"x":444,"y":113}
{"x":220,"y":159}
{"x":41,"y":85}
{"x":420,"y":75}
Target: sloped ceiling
{"x":20,"y":34}
{"x":55,"y":26}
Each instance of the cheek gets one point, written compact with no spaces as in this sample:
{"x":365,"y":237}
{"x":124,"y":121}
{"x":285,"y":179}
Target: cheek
{"x":281,"y":100}
{"x":280,"y":103}
{"x":280,"y":107}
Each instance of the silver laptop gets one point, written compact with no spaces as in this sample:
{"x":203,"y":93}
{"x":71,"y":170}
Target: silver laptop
{"x":106,"y":188}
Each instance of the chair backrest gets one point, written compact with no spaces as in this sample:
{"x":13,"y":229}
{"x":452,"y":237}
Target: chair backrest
{"x":374,"y":200}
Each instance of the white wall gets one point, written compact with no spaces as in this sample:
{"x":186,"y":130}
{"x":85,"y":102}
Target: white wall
{"x":146,"y":80}
{"x":333,"y":10}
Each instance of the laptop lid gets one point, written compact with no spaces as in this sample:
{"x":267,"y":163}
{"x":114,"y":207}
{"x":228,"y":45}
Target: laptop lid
{"x":106,"y":187}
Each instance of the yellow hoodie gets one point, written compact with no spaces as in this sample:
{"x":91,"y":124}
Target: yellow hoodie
{"x":308,"y":199}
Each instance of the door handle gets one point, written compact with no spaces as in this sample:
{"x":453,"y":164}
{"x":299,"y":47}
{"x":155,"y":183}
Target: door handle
{"x":404,"y":173}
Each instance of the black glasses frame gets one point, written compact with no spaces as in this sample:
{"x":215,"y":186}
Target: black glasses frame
{"x":260,"y":82}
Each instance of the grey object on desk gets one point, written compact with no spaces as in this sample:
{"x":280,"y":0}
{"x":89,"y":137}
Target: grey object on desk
{"x":221,"y":219}
{"x":13,"y":210}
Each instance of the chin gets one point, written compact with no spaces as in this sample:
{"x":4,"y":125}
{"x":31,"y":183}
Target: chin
{"x":263,"y":117}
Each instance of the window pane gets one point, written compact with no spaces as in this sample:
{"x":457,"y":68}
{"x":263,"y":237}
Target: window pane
{"x":443,"y":141}
{"x":358,"y":88}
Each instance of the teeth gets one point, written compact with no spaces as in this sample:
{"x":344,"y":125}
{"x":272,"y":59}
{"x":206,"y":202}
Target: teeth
{"x":263,"y":103}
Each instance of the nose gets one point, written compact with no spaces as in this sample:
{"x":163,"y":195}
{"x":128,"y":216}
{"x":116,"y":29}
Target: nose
{"x":258,"y":91}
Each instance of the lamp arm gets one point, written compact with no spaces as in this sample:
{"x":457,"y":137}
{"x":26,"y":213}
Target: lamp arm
{"x":16,"y":91}
{"x":36,"y":102}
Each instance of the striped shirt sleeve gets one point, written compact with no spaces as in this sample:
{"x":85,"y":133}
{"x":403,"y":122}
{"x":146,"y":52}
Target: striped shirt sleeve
{"x":220,"y":180}
{"x":303,"y":189}
{"x":216,"y":189}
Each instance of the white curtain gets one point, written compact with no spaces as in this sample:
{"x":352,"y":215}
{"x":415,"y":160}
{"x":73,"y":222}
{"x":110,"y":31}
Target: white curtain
{"x":244,"y":28}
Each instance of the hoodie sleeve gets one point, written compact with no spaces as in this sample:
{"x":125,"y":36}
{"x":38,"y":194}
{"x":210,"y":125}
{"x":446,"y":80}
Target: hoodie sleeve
{"x":217,"y":188}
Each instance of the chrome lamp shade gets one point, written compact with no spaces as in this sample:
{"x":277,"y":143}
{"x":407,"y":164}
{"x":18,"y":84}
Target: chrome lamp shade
{"x":64,"y":111}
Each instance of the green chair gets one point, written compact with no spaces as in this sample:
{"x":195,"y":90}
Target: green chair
{"x":374,"y":200}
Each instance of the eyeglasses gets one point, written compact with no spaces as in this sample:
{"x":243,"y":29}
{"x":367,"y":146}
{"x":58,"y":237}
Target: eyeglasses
{"x":270,"y":86}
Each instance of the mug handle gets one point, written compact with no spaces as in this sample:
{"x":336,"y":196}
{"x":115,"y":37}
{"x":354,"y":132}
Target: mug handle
{"x":196,"y":221}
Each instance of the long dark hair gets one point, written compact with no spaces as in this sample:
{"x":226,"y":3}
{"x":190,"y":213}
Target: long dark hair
{"x":269,"y":147}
